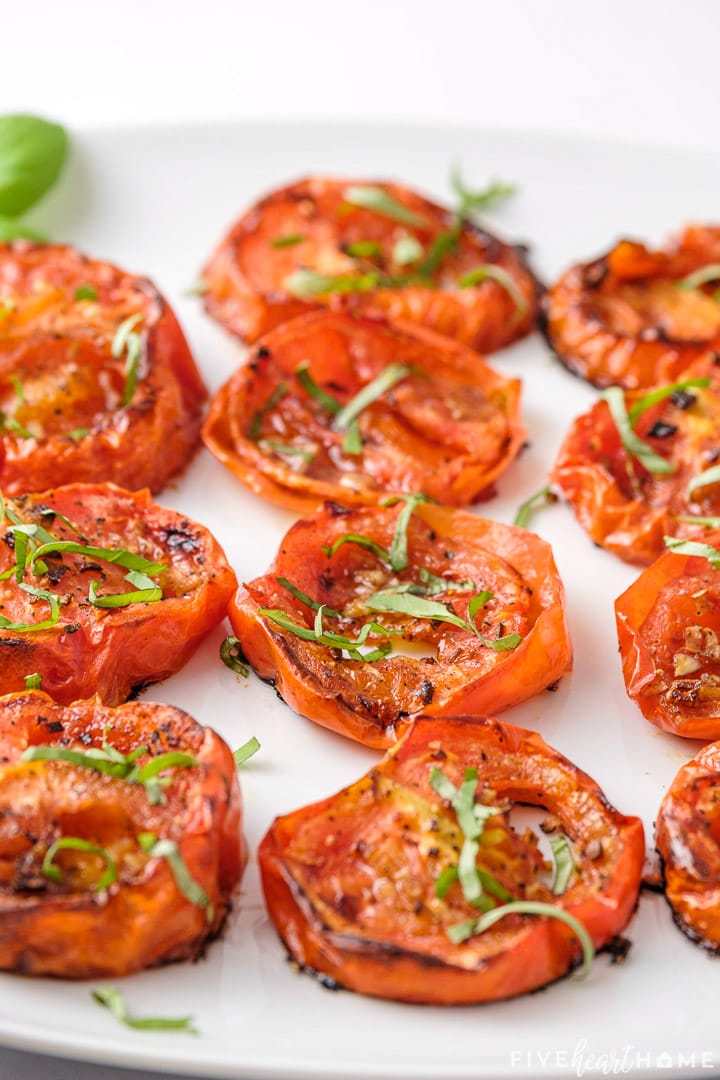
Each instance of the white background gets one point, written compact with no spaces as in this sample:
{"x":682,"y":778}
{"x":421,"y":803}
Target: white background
{"x":644,"y":70}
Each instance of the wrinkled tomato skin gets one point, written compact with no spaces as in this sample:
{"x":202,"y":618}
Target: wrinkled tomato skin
{"x":60,"y":381}
{"x":245,"y":277}
{"x":111,"y":651}
{"x":674,"y":601}
{"x":620,"y":320}
{"x":620,"y":505}
{"x":450,"y":428}
{"x":142,"y":919}
{"x":339,"y":915}
{"x":374,"y":702}
{"x":688,"y":841}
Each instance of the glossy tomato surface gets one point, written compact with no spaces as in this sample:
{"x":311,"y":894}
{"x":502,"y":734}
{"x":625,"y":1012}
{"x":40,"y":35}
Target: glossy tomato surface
{"x":350,"y":882}
{"x":69,"y":925}
{"x":110,"y":644}
{"x":622,"y":505}
{"x":78,"y":400}
{"x":310,"y":225}
{"x":449,"y":427}
{"x":625,"y":319}
{"x":688,"y":840}
{"x":668,"y":627}
{"x":435,"y":667}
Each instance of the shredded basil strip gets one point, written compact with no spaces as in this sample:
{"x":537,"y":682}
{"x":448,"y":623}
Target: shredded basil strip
{"x":85,"y":292}
{"x":491,"y":272}
{"x":76,"y":843}
{"x":149,"y":593}
{"x":418,"y":607}
{"x":709,"y":476}
{"x":369,"y":197}
{"x":129,"y":341}
{"x":533,"y":503}
{"x":406,"y":250}
{"x":472,"y":202}
{"x":116,"y":556}
{"x":233,"y":657}
{"x":289,"y":240}
{"x":705,"y":274}
{"x":398,"y":549}
{"x":306,"y":284}
{"x":191,"y":889}
{"x":469,"y":927}
{"x":78,"y":433}
{"x":363,"y":249}
{"x":257,"y":421}
{"x":392,"y":374}
{"x":563,"y":864}
{"x":362,"y":541}
{"x":14,"y":427}
{"x":305,"y":599}
{"x":693,"y":548}
{"x":710,"y":522}
{"x":285,"y":449}
{"x":328,"y":402}
{"x":648,"y":400}
{"x":46,"y":624}
{"x":329,"y":638}
{"x":614,"y":396}
{"x":114,"y":1000}
{"x":33,"y":682}
{"x":246,"y":751}
{"x":471,"y":818}
{"x":433,"y":584}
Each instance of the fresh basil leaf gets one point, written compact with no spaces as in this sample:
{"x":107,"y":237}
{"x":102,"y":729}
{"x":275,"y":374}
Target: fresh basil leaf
{"x":477,"y":602}
{"x":76,"y":843}
{"x":416,"y":607}
{"x":369,"y":197}
{"x":709,"y":476}
{"x":563,"y":863}
{"x":491,"y":272}
{"x":246,"y":751}
{"x":534,"y":502}
{"x":469,"y":927}
{"x":32,"y":154}
{"x":693,"y":548}
{"x":614,"y":396}
{"x":648,"y":400}
{"x":114,"y":1000}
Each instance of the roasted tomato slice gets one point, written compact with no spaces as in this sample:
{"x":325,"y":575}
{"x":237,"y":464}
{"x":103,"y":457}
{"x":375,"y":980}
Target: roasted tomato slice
{"x":96,"y":379}
{"x":378,"y":887}
{"x":101,"y":591}
{"x":635,"y":317}
{"x":474,"y":615}
{"x":120,"y":840}
{"x":306,"y":246}
{"x":688,"y":840}
{"x":628,"y":496}
{"x":669,"y":629}
{"x":428,"y":415}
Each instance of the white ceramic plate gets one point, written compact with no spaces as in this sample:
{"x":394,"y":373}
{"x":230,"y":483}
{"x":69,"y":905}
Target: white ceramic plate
{"x":156,"y":201}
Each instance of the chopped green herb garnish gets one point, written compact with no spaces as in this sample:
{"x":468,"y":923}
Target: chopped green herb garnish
{"x":76,"y":843}
{"x":701,"y":277}
{"x":306,"y":284}
{"x":407,"y":250}
{"x":305,"y":599}
{"x":33,"y":682}
{"x":348,"y":414}
{"x":491,"y":272}
{"x":328,"y":402}
{"x":648,"y":400}
{"x":693,"y":548}
{"x":383,"y":203}
{"x":473,"y":202}
{"x":114,"y":1000}
{"x":146,"y":592}
{"x":246,"y":751}
{"x":285,"y":449}
{"x":469,"y":927}
{"x":417,"y":607}
{"x":563,"y":863}
{"x":289,"y":240}
{"x":186,"y":883}
{"x":47,"y":624}
{"x":233,"y":657}
{"x":363,"y":249}
{"x":78,"y":433}
{"x":273,"y":400}
{"x":127,"y":340}
{"x":86,"y":292}
{"x":329,"y":638}
{"x":32,"y":154}
{"x":198,"y":289}
{"x":116,"y":556}
{"x":18,"y":388}
{"x":526,"y":509}
{"x":614,"y":396}
{"x":703,"y":479}
{"x":14,"y":427}
{"x":398,"y":550}
{"x":709,"y":522}
{"x":362,"y":541}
